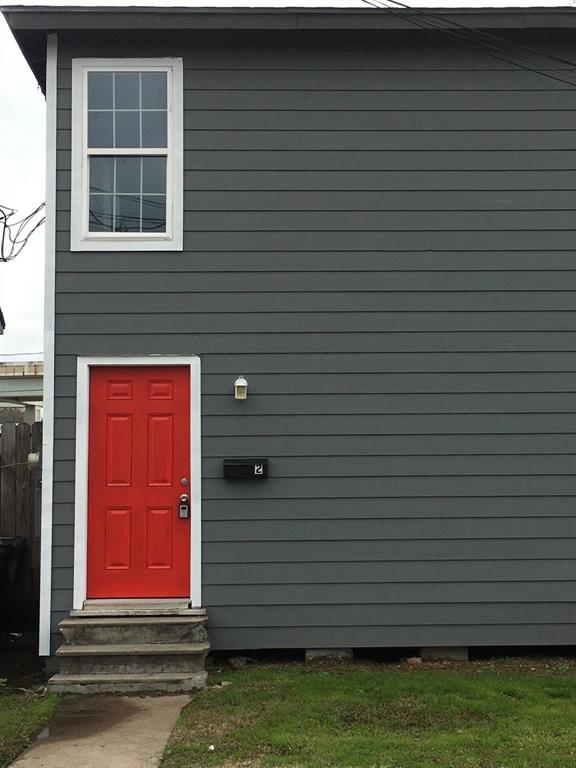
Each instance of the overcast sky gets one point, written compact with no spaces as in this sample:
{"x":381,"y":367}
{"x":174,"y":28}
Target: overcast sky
{"x":22,"y":122}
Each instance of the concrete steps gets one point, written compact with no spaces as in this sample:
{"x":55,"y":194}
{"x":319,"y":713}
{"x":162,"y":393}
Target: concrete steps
{"x":131,"y":683}
{"x":130,"y":648}
{"x":132,"y":629}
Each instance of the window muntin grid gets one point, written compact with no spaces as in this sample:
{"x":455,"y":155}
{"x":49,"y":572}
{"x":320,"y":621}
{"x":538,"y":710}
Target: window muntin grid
{"x":127,"y":110}
{"x":127,"y":194}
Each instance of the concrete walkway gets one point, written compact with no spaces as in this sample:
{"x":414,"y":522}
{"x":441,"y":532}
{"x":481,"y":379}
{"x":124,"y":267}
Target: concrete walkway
{"x":106,"y":732}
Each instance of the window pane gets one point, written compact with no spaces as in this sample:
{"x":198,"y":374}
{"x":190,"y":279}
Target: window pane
{"x":100,"y":90}
{"x":127,"y":194}
{"x":154,"y":175}
{"x":127,"y":110}
{"x":102,"y":174}
{"x":127,"y":213}
{"x":127,"y":129}
{"x":154,"y":129}
{"x":154,"y":213}
{"x":154,"y":90}
{"x":100,"y":129}
{"x":128,"y":175}
{"x":100,"y":214}
{"x":127,"y":90}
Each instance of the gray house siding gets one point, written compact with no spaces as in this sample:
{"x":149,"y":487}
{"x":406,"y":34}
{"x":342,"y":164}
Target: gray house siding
{"x":379,"y":234}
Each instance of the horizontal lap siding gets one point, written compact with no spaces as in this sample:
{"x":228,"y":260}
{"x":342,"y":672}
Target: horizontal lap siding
{"x":381,"y":238}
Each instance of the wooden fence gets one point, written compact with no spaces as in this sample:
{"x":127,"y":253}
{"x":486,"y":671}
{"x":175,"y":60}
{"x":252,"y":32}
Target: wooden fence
{"x":20,"y":493}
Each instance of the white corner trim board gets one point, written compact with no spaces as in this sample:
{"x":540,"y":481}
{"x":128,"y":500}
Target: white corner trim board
{"x":81,"y":473}
{"x":49,"y":309}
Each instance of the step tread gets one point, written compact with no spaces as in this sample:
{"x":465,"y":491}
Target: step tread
{"x":131,"y":649}
{"x":131,"y":621}
{"x":125,"y":677}
{"x":135,"y":611}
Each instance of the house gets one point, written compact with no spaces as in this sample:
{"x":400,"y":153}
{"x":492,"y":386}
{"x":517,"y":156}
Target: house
{"x":368,"y":221}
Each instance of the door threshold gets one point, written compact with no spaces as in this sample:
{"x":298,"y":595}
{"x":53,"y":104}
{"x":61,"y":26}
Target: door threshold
{"x":137,"y":601}
{"x":138,"y":607}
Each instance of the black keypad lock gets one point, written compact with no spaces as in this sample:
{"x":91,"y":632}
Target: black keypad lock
{"x":184,"y":506}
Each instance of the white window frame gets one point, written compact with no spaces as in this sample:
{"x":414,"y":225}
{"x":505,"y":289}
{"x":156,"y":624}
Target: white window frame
{"x":81,"y":239}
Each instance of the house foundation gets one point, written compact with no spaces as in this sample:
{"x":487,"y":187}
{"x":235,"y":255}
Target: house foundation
{"x":328,"y":654}
{"x":439,"y":653}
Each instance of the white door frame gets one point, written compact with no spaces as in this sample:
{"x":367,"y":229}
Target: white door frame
{"x":81,"y":476}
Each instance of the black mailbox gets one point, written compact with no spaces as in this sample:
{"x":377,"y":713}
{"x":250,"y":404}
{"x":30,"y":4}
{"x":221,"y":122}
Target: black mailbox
{"x":245,"y":469}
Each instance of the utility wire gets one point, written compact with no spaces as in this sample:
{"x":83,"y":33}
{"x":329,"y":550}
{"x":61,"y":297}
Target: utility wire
{"x":489,"y":50}
{"x":15,"y":234}
{"x":482,"y":33}
{"x":468,"y":39}
{"x":418,"y":19}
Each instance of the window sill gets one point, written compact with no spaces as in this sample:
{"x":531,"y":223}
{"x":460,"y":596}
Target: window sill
{"x":121,"y":244}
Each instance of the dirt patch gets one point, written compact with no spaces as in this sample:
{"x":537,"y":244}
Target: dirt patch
{"x":554,"y":665}
{"x":208,"y":726}
{"x":254,"y":763}
{"x":409,"y":714}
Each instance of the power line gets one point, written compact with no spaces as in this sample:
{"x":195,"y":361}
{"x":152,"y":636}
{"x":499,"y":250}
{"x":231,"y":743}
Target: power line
{"x":15,"y":234}
{"x":481,"y":33}
{"x":470,"y":38}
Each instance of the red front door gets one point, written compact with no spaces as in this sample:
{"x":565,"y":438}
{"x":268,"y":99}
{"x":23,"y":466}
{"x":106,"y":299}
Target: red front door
{"x":139,"y":453}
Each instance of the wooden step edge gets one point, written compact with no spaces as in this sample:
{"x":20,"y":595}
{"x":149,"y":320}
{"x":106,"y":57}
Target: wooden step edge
{"x":149,"y":649}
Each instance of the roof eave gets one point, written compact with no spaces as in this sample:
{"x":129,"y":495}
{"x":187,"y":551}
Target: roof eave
{"x":57,"y":17}
{"x":31,"y":24}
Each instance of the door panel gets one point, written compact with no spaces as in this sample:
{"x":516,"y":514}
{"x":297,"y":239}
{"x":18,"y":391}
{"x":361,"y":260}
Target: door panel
{"x":118,"y":547}
{"x":139,"y":450}
{"x":160,"y":450}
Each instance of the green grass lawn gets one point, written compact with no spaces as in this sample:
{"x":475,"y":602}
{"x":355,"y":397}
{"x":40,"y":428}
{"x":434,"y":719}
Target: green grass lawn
{"x":509,"y":715}
{"x":22,"y":717}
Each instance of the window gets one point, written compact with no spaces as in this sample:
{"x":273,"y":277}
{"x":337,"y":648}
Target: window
{"x":127,"y":166}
